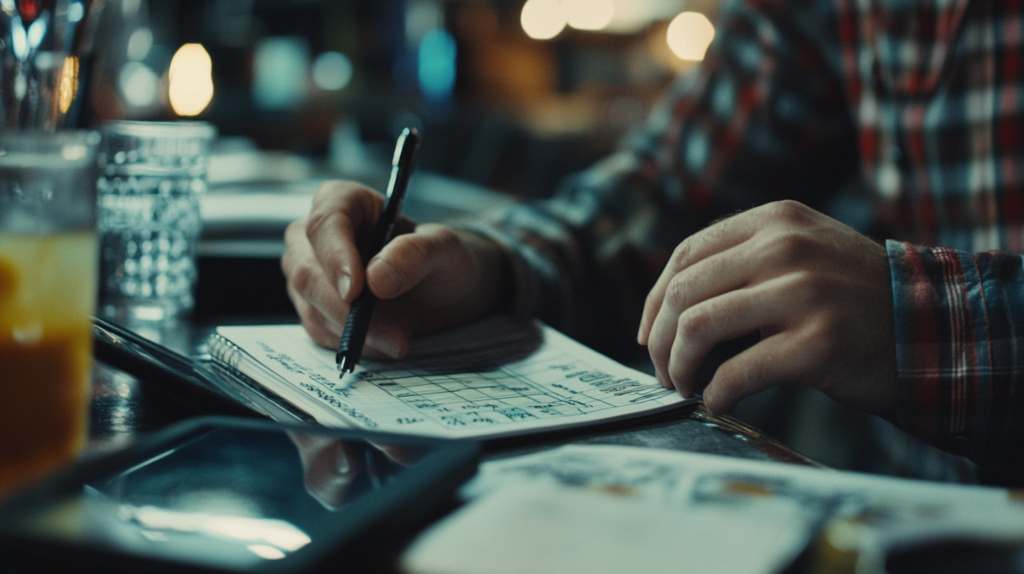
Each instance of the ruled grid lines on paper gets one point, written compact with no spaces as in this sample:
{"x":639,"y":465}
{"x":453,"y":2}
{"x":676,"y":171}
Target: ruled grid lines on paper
{"x":488,"y":380}
{"x":553,"y":385}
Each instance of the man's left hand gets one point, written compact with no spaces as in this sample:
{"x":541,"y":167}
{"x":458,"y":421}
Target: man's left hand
{"x":818,"y":292}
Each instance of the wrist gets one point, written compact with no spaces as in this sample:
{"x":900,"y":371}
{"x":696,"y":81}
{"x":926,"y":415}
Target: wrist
{"x":494,"y":265}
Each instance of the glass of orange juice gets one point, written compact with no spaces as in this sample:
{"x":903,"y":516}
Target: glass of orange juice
{"x":48,"y":265}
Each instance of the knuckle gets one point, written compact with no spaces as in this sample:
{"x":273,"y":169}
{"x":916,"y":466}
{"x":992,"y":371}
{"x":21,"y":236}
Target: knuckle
{"x":788,"y":247}
{"x":811,"y":288}
{"x":676,"y":293}
{"x":788,"y":210}
{"x":446,"y":238}
{"x":681,"y":254}
{"x":418,"y":246}
{"x":318,"y":220}
{"x":325,"y":190}
{"x":659,"y":349}
{"x":822,"y":338}
{"x":693,"y":324}
{"x":301,"y":278}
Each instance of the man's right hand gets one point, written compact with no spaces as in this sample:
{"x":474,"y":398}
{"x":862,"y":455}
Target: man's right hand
{"x":427,"y":278}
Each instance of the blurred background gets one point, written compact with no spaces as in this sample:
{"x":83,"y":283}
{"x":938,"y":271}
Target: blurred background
{"x":509,"y":94}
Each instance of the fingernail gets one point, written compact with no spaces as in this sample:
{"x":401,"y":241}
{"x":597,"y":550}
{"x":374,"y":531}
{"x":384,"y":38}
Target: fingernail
{"x":344,"y":284}
{"x":386,"y":281}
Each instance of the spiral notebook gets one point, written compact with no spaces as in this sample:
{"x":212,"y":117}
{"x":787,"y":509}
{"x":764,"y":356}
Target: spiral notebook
{"x":495,"y":378}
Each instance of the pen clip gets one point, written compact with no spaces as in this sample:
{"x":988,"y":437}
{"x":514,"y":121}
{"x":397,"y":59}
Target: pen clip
{"x":406,"y":150}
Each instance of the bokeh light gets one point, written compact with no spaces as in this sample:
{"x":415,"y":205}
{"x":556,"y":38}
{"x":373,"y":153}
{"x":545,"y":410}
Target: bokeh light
{"x":689,"y":35}
{"x":542,"y":19}
{"x":68,"y":83}
{"x":332,"y":71}
{"x":139,"y":84}
{"x":437,"y":65}
{"x":139,"y":44}
{"x":280,"y":72}
{"x":588,"y":14}
{"x":191,"y":80}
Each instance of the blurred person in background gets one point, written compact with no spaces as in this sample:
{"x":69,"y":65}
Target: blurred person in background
{"x":797,"y":107}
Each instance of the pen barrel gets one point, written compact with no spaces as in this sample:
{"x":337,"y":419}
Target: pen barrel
{"x":356,"y":326}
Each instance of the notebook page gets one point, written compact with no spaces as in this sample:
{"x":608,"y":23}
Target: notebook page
{"x":493,"y":378}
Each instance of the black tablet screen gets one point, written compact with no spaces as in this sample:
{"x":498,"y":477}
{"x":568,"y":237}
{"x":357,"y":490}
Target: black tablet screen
{"x":230,"y":498}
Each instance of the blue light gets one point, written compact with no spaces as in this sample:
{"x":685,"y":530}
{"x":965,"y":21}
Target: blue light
{"x":280,"y":72}
{"x":437,"y":65}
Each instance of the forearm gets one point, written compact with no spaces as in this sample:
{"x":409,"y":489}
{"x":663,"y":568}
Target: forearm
{"x":580,"y":262}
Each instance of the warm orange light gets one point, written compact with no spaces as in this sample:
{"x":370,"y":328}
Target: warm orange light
{"x":191,"y":80}
{"x":689,"y":35}
{"x":542,"y":19}
{"x":68,"y":83}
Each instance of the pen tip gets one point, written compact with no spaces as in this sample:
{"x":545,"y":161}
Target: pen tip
{"x":345,"y":365}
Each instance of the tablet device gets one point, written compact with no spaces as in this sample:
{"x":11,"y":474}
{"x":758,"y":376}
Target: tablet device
{"x":234,"y":495}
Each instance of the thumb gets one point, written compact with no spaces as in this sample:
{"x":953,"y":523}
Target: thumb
{"x":407,"y":259}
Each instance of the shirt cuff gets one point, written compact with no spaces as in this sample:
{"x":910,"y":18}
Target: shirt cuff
{"x":958,"y":360}
{"x":540,"y":290}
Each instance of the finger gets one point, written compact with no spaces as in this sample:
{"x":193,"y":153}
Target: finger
{"x":717,"y":237}
{"x":306,"y":280}
{"x":324,"y":332}
{"x":718,"y":274}
{"x":431,"y":250}
{"x":774,"y":360}
{"x":342,"y":214}
{"x":382,"y":341}
{"x":679,"y":349}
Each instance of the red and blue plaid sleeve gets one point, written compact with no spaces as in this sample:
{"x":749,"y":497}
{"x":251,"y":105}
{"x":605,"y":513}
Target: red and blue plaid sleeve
{"x":960,"y":356}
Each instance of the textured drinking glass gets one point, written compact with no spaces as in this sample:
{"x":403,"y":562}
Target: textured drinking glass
{"x":47,"y":295}
{"x":152,"y":175}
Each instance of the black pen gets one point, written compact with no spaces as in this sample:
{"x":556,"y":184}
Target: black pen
{"x":358,"y":322}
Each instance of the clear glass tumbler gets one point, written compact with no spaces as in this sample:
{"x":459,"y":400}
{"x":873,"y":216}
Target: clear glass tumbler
{"x":47,"y":296}
{"x":152,"y":175}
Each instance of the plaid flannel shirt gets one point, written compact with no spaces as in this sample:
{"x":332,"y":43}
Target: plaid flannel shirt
{"x":918,"y":101}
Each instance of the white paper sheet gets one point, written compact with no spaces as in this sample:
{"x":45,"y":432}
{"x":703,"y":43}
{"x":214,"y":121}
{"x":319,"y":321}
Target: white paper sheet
{"x":611,"y":509}
{"x":494,"y":378}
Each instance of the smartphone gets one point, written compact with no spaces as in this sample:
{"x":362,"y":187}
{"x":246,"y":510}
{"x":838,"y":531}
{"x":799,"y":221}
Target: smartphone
{"x":237,"y":495}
